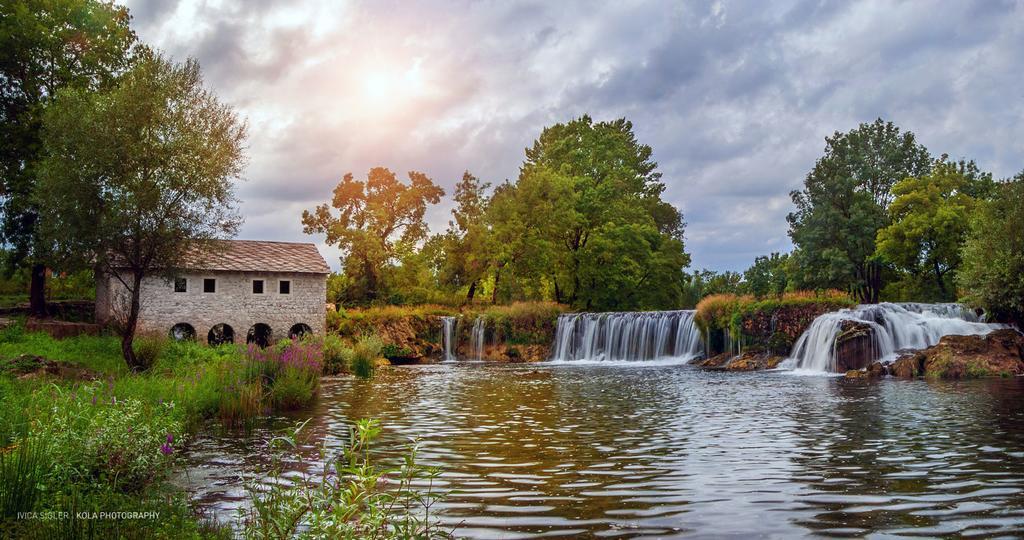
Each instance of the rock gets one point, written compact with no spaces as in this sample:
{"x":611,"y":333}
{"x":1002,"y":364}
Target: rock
{"x":856,"y":374}
{"x":752,"y":361}
{"x":718,"y":361}
{"x":907,"y":366}
{"x":62,"y":329}
{"x":877,"y":370}
{"x":854,"y":346}
{"x":381,"y":362}
{"x":1000,"y":353}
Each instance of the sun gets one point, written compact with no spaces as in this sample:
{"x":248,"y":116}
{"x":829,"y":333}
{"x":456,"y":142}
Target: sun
{"x":393,"y":84}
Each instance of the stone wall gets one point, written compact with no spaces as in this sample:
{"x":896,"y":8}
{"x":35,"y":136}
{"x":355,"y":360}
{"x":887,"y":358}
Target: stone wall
{"x":233,"y":303}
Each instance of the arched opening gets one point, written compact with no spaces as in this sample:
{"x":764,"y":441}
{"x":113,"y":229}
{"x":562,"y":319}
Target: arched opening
{"x":183,"y":332}
{"x":220,"y":334}
{"x":298,"y":330}
{"x":259,"y":334}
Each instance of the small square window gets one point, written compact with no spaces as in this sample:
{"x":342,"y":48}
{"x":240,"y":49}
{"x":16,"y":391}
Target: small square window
{"x":284,"y":286}
{"x":257,"y":286}
{"x":209,"y":285}
{"x":180,"y":284}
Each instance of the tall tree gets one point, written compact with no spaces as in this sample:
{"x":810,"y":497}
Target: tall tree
{"x":377,"y":220}
{"x":767,"y":276}
{"x":465,"y":245}
{"x":929,"y":225}
{"x":992,"y":275}
{"x":616,"y":202}
{"x":844,"y":203}
{"x":47,"y":45}
{"x":138,"y":178}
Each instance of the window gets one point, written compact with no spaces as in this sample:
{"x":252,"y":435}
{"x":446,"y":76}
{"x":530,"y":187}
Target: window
{"x":180,"y":284}
{"x":257,"y":286}
{"x":209,"y":285}
{"x":284,"y":286}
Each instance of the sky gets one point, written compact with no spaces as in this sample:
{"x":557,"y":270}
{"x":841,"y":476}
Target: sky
{"x":735,"y":98}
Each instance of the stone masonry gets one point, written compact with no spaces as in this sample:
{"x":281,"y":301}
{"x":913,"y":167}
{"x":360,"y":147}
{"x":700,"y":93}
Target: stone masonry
{"x":235,"y":301}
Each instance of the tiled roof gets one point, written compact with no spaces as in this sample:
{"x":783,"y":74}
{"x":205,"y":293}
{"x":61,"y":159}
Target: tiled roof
{"x":260,"y":256}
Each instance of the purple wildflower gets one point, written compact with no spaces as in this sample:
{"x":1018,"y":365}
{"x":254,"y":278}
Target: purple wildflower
{"x":170,"y":438}
{"x":166,"y":449}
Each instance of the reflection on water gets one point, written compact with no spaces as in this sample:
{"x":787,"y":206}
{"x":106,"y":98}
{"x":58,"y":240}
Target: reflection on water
{"x":662,"y":451}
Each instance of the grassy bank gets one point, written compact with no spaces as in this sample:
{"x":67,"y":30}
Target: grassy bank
{"x":732,"y":322}
{"x":79,"y":432}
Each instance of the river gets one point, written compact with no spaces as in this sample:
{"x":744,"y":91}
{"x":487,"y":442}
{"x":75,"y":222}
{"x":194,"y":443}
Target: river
{"x":647,"y":450}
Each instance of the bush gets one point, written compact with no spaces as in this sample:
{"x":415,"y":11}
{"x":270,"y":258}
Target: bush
{"x":337,"y":355}
{"x":352,"y":497}
{"x":21,"y":474}
{"x":365,"y":354}
{"x":148,"y":349}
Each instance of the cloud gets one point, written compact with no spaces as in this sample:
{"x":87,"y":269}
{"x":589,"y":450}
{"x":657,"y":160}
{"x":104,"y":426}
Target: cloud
{"x":735,"y":97}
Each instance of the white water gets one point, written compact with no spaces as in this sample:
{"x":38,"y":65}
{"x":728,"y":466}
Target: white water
{"x":647,"y":335}
{"x":895,"y":327}
{"x":448,"y":338}
{"x":476,"y":339}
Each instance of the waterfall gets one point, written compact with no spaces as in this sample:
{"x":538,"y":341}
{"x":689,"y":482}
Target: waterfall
{"x":448,"y":338}
{"x":644,"y":335}
{"x":895,"y":327}
{"x":476,"y":339}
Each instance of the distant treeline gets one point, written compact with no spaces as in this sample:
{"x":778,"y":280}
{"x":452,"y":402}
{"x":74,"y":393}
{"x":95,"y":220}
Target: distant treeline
{"x":584,"y":224}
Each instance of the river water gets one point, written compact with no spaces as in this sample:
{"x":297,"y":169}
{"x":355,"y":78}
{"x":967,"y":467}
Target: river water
{"x":557,"y":450}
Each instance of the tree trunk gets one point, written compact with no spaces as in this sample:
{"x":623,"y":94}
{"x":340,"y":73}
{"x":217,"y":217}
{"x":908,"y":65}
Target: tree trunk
{"x":939,"y":281}
{"x":471,"y":292}
{"x":497,"y":279}
{"x":131,"y":321}
{"x":37,"y":291}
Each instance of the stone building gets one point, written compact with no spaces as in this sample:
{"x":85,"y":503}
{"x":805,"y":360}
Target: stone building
{"x":241,"y":291}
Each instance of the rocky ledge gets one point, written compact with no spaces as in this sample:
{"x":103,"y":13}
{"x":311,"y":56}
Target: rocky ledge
{"x":1000,"y":353}
{"x":748,"y":361}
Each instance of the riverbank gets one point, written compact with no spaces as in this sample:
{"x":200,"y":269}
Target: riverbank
{"x":81,"y":435}
{"x":519,"y":332}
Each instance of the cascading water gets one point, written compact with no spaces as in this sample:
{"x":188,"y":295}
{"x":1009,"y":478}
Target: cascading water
{"x":894,"y":327}
{"x":645,"y":335}
{"x":476,"y":339}
{"x":448,"y":337}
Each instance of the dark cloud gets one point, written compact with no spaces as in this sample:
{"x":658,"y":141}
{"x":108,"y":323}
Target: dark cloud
{"x":735,"y":97}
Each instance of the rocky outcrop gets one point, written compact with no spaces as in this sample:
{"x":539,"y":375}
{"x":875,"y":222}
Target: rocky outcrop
{"x":1000,"y":353}
{"x":62,"y":329}
{"x":748,"y":361}
{"x":854,"y":346}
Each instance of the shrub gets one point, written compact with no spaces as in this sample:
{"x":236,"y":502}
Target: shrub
{"x":365,"y":354}
{"x":337,"y":355}
{"x":351,"y":498}
{"x":121,"y":443}
{"x":148,"y":349}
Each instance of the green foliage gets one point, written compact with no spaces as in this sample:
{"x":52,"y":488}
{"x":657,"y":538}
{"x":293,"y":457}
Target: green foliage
{"x":929,"y":225}
{"x":115,"y":196}
{"x":377,"y":220}
{"x":337,"y":355}
{"x":148,"y":349}
{"x":365,"y":354}
{"x":993,"y":255}
{"x":352,"y":498}
{"x":767,"y":276}
{"x":703,"y":283}
{"x":844,"y":203}
{"x":43,"y":54}
{"x":21,"y":474}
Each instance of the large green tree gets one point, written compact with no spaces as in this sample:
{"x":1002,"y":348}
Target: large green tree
{"x":767,"y":276}
{"x":619,"y":245}
{"x":992,"y":274}
{"x":138,"y":179}
{"x":929,"y":225}
{"x":378,"y":221}
{"x":845,"y":201}
{"x":464,"y":249}
{"x":47,"y":45}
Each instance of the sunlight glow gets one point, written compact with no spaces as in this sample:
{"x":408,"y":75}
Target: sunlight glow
{"x":388,"y":84}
